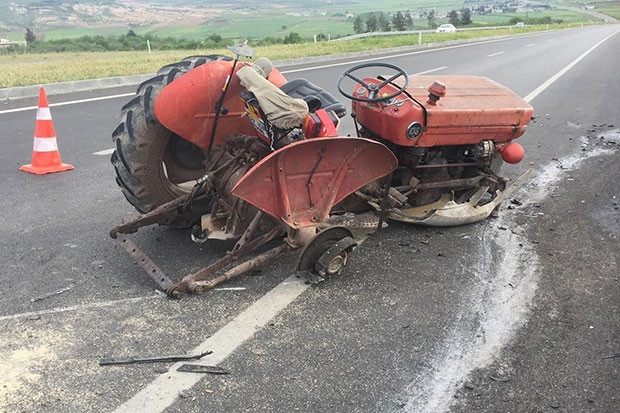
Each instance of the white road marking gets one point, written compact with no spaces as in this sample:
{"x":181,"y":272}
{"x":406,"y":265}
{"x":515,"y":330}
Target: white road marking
{"x":530,"y":45}
{"x":458,"y":46}
{"x":495,"y":54}
{"x":559,"y":74}
{"x":509,"y":287}
{"x":76,"y":307}
{"x":70,"y":102}
{"x":104,"y":152}
{"x":164,"y":390}
{"x":437,"y":69}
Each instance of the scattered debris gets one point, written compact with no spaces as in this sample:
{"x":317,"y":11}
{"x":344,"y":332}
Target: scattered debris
{"x":43,"y":297}
{"x":108,"y":361}
{"x":500,"y":379}
{"x":199,"y":368}
{"x":611,"y":356}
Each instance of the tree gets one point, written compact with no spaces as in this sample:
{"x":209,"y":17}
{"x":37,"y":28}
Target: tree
{"x":453,"y":17}
{"x":358,"y":25}
{"x":30,"y":36}
{"x":398,"y":21}
{"x":430,"y":18}
{"x":371,"y":23}
{"x":408,"y":20}
{"x":465,"y":16}
{"x":292,"y":38}
{"x":383,"y":23}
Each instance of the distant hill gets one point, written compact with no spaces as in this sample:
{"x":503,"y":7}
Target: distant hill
{"x":55,"y":14}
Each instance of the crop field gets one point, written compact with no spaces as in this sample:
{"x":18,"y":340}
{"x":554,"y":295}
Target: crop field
{"x":610,"y":8}
{"x":329,"y":19}
{"x":36,"y":69}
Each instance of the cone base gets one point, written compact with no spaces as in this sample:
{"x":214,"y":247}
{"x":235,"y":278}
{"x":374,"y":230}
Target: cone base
{"x":42,"y":170}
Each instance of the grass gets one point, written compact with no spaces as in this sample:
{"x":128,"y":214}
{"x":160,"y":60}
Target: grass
{"x":36,"y":69}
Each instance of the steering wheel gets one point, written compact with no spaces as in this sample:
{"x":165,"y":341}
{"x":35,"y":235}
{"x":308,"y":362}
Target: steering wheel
{"x":373,"y":89}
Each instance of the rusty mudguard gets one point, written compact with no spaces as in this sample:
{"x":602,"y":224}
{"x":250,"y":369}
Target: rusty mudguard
{"x":300,"y":183}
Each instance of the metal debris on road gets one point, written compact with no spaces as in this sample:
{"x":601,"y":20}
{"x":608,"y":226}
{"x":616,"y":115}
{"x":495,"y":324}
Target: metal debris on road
{"x":108,"y":361}
{"x":199,"y":368}
{"x":43,"y":297}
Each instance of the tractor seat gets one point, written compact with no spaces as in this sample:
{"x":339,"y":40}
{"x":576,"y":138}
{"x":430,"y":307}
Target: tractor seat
{"x":308,"y":91}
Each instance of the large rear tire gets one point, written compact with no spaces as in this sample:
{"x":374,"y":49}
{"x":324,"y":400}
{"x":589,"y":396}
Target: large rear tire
{"x":152,"y":164}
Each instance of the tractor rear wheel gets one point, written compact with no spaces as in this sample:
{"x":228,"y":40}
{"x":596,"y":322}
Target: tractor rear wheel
{"x":153,"y":165}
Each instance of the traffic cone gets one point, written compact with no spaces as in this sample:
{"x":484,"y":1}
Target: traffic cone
{"x":45,"y":155}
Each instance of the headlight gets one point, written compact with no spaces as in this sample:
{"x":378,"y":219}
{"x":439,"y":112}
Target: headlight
{"x":414,"y":130}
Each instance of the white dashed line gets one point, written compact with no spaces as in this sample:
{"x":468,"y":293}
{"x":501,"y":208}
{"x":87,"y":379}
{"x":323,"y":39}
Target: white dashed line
{"x":164,"y":390}
{"x":104,"y":152}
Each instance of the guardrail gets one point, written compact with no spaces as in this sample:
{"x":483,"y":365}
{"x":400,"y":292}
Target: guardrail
{"x":421,"y":32}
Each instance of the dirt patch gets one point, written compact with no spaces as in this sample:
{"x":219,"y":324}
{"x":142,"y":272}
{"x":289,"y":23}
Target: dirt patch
{"x":26,"y":352}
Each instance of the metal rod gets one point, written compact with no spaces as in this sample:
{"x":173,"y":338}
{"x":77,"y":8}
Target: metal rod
{"x":242,"y":268}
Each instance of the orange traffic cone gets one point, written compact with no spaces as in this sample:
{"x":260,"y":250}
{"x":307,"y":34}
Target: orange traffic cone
{"x":45,"y":155}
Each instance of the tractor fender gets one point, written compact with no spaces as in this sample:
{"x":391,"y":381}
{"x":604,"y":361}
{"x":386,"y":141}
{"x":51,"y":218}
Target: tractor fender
{"x":187,"y":105}
{"x":300,"y":183}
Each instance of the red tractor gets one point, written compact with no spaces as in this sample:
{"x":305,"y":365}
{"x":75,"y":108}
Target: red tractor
{"x":233,"y":150}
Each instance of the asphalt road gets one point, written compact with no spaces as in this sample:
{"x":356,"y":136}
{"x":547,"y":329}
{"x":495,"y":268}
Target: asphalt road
{"x":518,"y":313}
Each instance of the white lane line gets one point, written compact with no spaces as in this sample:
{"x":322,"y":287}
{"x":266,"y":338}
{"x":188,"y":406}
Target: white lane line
{"x":351,"y":62}
{"x":437,"y":69}
{"x":71,"y":102}
{"x":458,"y":46}
{"x":559,"y":74}
{"x":550,"y":40}
{"x":77,"y":307}
{"x":530,"y":45}
{"x":466,"y":350}
{"x":495,"y":54}
{"x":164,"y":390}
{"x":104,"y":152}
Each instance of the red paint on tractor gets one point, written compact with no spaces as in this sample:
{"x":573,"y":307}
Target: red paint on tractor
{"x":300,"y":183}
{"x":473,"y":109}
{"x":187,"y":105}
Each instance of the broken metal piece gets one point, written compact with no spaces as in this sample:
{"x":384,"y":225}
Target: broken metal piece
{"x":146,"y":263}
{"x":447,"y":212}
{"x":43,"y":297}
{"x":200,"y":368}
{"x":108,"y":361}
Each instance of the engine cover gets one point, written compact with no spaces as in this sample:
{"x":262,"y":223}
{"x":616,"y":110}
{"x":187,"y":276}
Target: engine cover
{"x":473,"y":109}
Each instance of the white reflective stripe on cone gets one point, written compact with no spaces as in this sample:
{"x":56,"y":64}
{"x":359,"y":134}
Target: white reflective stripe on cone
{"x":44,"y":114}
{"x":45,"y":145}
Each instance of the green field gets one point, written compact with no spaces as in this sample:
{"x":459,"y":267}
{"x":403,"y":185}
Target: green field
{"x":330,"y":19}
{"x":35,"y":69}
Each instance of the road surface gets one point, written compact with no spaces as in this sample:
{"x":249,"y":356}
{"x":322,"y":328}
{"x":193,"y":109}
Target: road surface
{"x":517,"y":313}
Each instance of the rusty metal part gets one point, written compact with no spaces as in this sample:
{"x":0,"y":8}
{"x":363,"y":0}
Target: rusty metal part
{"x":159,"y":214}
{"x":199,"y":287}
{"x":200,"y":368}
{"x":449,"y":165}
{"x":447,"y":212}
{"x":244,"y":245}
{"x":333,"y":260}
{"x":145,"y":262}
{"x":318,"y":245}
{"x":453,"y":183}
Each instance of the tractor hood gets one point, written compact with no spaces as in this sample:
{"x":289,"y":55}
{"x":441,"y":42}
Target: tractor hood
{"x":463,"y":110}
